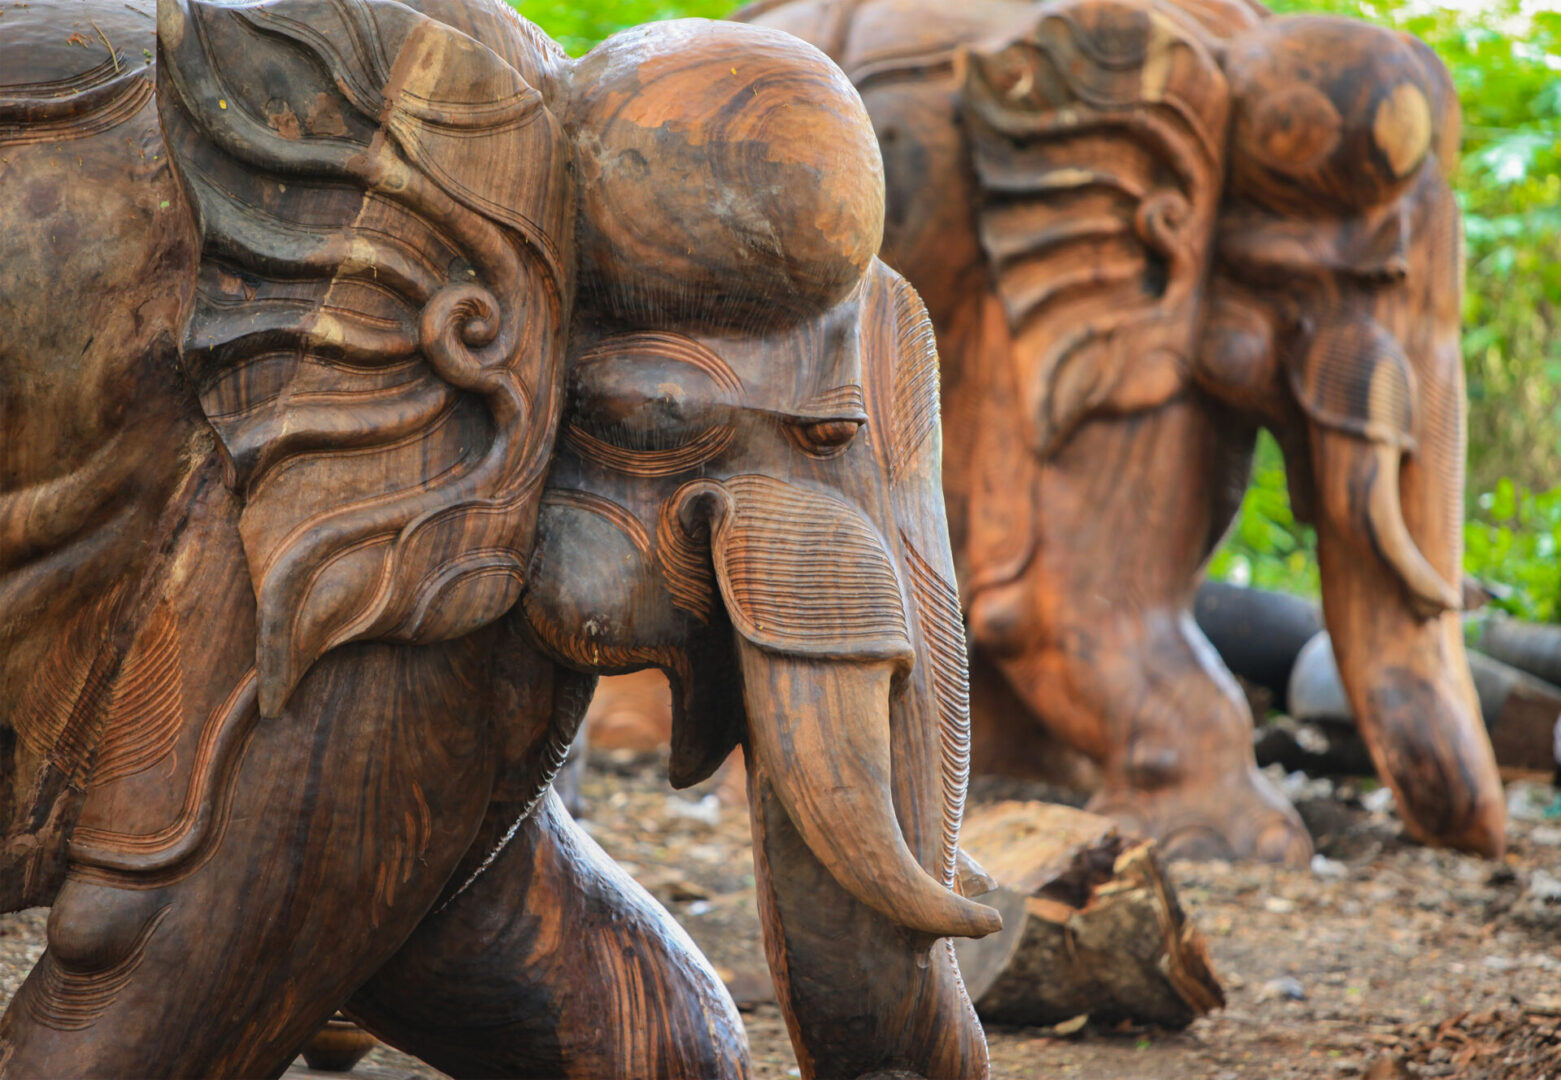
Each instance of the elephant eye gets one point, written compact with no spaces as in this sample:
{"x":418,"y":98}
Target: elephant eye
{"x":825,"y":438}
{"x":649,"y":435}
{"x":646,"y":413}
{"x":657,"y":420}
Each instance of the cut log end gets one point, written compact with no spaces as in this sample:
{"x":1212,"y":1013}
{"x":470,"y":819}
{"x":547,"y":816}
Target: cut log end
{"x":1090,"y":924}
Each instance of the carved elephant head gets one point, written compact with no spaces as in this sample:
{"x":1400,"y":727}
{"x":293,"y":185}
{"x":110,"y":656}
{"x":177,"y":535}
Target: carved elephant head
{"x":1192,"y":194}
{"x":426,"y":267}
{"x":1334,"y":313}
{"x":1143,"y":229}
{"x":746,"y":496}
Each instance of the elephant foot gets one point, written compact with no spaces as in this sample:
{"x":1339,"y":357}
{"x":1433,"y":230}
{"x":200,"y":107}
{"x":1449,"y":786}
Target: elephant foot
{"x":1236,"y":816}
{"x":1428,"y":742}
{"x":1444,"y":799}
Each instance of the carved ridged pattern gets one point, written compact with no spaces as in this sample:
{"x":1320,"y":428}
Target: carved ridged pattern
{"x":57,"y":91}
{"x":916,"y":404}
{"x":1443,"y":443}
{"x":75,"y":106}
{"x":685,"y":564}
{"x":44,"y":706}
{"x":73,"y":1001}
{"x":59,"y":713}
{"x":221,"y":738}
{"x":146,"y":703}
{"x":833,"y":402}
{"x":593,"y":503}
{"x":774,"y":539}
{"x":906,"y":402}
{"x":1355,"y":377}
{"x":937,"y":603}
{"x":671,"y":346}
{"x":72,"y":109}
{"x":651,"y":463}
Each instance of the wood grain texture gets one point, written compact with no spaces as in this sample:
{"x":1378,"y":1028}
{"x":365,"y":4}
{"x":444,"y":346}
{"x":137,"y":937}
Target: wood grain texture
{"x":303,"y":594}
{"x":555,"y":964}
{"x":1143,"y":229}
{"x":1092,"y":925}
{"x":381,"y":297}
{"x":146,"y":704}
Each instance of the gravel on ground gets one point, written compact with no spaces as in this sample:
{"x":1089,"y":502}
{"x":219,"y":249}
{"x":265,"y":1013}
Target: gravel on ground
{"x":1382,"y":960}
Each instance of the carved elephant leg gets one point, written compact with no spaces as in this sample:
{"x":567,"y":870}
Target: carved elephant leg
{"x":1107,"y":653}
{"x":346,"y":815}
{"x":554,"y":963}
{"x":209,"y":930}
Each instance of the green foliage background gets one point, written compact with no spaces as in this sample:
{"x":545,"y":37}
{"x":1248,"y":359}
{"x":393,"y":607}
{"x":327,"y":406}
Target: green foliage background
{"x":579,"y":24}
{"x":1507,"y":67}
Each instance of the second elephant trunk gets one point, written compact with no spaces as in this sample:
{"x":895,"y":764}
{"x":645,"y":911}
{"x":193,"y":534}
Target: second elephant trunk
{"x":1391,"y":610}
{"x":858,"y":742}
{"x":825,"y":643}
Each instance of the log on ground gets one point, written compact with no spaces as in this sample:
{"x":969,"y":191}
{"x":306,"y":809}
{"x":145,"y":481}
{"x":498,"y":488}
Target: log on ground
{"x":1090,"y":924}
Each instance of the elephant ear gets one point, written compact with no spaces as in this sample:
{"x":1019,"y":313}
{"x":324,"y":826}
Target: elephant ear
{"x":1097,"y":143}
{"x":378,"y":328}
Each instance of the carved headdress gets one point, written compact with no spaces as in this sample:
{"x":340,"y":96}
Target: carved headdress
{"x":378,"y":332}
{"x":1098,"y":146}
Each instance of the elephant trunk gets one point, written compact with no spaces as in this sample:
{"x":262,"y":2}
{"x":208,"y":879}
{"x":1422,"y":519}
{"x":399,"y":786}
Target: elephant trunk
{"x":821,"y":734}
{"x":827,"y":658}
{"x":852,"y":661}
{"x":1392,"y":610}
{"x":843,"y":801}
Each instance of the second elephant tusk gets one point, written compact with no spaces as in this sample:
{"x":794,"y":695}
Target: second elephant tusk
{"x":1429,"y":593}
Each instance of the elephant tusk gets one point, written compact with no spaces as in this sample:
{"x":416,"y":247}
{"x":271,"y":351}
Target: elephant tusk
{"x":823,"y":744}
{"x":1430,"y":594}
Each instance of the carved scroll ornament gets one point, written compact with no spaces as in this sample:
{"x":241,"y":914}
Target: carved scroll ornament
{"x":1098,"y":142}
{"x":380,"y":299}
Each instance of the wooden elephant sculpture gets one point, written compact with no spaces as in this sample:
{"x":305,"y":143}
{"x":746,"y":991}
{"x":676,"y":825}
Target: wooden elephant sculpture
{"x":1144,"y":229}
{"x":372,"y":376}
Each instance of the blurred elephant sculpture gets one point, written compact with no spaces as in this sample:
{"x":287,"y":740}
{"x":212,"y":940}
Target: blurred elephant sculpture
{"x":1144,"y":229}
{"x":295,"y":626}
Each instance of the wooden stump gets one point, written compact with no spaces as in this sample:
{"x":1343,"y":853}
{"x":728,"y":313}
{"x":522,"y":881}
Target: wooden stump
{"x":1090,"y":924}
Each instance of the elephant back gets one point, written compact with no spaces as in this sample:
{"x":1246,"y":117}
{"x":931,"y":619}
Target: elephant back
{"x":64,"y":69}
{"x":878,"y":40}
{"x":377,"y":336}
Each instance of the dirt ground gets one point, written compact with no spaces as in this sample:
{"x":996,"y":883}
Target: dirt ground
{"x":1383,"y":960}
